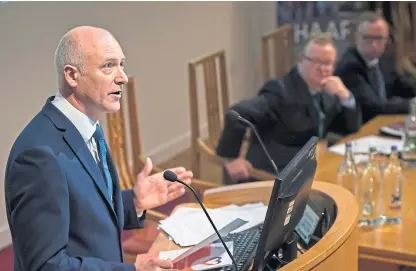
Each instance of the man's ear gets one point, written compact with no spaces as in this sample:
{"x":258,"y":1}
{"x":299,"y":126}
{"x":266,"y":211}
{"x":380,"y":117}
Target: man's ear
{"x":71,"y":75}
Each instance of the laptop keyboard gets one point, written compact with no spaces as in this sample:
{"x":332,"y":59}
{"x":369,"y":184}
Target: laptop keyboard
{"x":245,"y":245}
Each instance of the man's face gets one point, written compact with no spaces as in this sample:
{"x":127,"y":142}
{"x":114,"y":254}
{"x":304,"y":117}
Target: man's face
{"x":372,"y":39}
{"x":99,"y":89}
{"x":317,"y":64}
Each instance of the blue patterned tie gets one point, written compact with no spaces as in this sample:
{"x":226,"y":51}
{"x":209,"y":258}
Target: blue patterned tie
{"x":317,"y":102}
{"x":102,"y":152}
{"x":378,"y":81}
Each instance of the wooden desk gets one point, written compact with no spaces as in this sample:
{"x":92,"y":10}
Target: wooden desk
{"x":391,"y":244}
{"x":337,"y":250}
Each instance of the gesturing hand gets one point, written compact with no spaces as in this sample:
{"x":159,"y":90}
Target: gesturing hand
{"x":153,"y":190}
{"x":148,"y":262}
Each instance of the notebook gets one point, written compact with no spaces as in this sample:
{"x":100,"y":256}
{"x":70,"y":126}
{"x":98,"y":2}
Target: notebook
{"x":394,"y":129}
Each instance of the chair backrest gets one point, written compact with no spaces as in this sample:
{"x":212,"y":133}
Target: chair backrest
{"x":281,"y":58}
{"x":119,"y":141}
{"x":404,"y":30}
{"x":215,"y":83}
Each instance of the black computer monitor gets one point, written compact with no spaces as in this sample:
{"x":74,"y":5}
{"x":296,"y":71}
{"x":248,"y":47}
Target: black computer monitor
{"x":286,"y":205}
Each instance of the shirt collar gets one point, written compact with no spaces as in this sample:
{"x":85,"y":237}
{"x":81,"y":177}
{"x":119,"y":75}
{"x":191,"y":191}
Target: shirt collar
{"x":369,"y":64}
{"x":85,"y":126}
{"x":312,"y":92}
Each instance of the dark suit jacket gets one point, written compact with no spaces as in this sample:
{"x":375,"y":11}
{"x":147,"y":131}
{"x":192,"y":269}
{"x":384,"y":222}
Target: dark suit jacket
{"x":57,"y":204}
{"x":353,"y":71}
{"x":286,"y":118}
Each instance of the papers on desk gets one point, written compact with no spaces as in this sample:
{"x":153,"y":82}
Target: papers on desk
{"x":190,"y":226}
{"x":363,"y":144}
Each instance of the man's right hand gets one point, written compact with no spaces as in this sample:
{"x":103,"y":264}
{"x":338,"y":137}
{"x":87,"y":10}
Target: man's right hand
{"x":149,"y":262}
{"x":238,"y":169}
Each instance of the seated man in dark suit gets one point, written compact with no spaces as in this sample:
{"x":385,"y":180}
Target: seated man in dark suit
{"x":370,"y":74}
{"x":288,"y":111}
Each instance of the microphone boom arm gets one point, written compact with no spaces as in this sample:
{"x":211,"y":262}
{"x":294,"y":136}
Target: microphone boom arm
{"x":212,"y":223}
{"x":261,"y":143}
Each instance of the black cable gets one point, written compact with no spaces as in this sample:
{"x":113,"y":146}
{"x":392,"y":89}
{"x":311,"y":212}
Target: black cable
{"x":212,"y":223}
{"x":281,"y":261}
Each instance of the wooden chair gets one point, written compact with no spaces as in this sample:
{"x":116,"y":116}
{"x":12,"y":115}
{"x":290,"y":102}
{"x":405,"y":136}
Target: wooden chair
{"x":141,"y":240}
{"x":281,"y":59}
{"x":119,"y":145}
{"x":215,"y":85}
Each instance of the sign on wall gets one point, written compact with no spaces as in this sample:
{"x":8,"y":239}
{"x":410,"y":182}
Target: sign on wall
{"x":319,"y":16}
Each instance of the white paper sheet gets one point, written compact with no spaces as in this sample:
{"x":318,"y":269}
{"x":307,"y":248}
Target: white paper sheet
{"x":363,"y":144}
{"x":189,"y":226}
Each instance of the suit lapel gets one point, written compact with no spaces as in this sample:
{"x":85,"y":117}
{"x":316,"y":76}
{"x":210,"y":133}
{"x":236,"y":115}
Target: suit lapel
{"x":327,"y":103}
{"x":304,"y":97}
{"x":118,"y":206}
{"x":361,"y":62}
{"x":74,"y":140}
{"x":78,"y":146}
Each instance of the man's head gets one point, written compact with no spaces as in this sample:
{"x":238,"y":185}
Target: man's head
{"x":90,"y":67}
{"x":372,"y":35}
{"x":317,"y":60}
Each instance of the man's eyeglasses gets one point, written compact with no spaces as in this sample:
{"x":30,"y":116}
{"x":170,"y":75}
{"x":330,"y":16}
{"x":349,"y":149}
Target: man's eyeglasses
{"x":319,"y":62}
{"x":369,"y":37}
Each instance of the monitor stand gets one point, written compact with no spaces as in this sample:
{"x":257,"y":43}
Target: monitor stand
{"x":287,"y":253}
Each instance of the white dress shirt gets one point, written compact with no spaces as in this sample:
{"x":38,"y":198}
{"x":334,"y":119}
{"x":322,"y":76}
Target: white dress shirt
{"x":370,"y":63}
{"x":85,"y":126}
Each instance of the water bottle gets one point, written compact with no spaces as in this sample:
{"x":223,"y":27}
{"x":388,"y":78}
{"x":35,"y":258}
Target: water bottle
{"x":348,"y":173}
{"x":392,"y":189}
{"x":409,"y":135}
{"x":371,"y":192}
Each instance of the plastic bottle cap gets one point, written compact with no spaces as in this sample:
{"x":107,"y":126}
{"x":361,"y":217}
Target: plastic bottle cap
{"x":348,"y":144}
{"x":394,"y":148}
{"x":373,"y":149}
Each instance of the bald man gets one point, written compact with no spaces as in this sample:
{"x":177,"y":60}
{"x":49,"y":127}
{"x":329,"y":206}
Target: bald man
{"x":370,"y":74}
{"x":64,"y":205}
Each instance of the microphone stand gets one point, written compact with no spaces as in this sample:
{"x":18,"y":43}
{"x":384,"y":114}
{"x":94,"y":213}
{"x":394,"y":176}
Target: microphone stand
{"x":212,"y":223}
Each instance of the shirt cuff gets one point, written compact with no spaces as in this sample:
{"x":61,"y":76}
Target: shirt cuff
{"x":349,"y":102}
{"x":139,"y":214}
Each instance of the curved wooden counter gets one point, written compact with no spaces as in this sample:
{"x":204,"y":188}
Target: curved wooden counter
{"x":337,"y":250}
{"x":390,"y":244}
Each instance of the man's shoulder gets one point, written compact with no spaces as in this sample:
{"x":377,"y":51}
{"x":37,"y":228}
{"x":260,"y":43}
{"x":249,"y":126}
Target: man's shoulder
{"x":349,"y":63}
{"x":279,"y":84}
{"x":349,"y":58}
{"x":39,"y":131}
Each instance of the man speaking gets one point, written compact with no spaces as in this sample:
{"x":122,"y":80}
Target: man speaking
{"x":64,"y":204}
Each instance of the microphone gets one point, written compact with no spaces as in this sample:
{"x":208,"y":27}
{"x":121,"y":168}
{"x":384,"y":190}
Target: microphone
{"x":172,"y":177}
{"x":234,"y":116}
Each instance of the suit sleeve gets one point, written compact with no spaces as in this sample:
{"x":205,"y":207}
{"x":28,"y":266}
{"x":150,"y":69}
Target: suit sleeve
{"x":37,"y":199}
{"x":261,"y":111}
{"x":368,"y":99}
{"x":349,"y":119}
{"x":131,"y":220}
{"x":403,"y":86}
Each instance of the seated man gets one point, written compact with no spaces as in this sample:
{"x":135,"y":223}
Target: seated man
{"x":370,"y":74}
{"x":288,"y":111}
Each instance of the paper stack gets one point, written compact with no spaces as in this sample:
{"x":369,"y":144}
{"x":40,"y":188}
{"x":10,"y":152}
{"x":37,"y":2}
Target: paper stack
{"x":189,"y":226}
{"x":363,"y":144}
